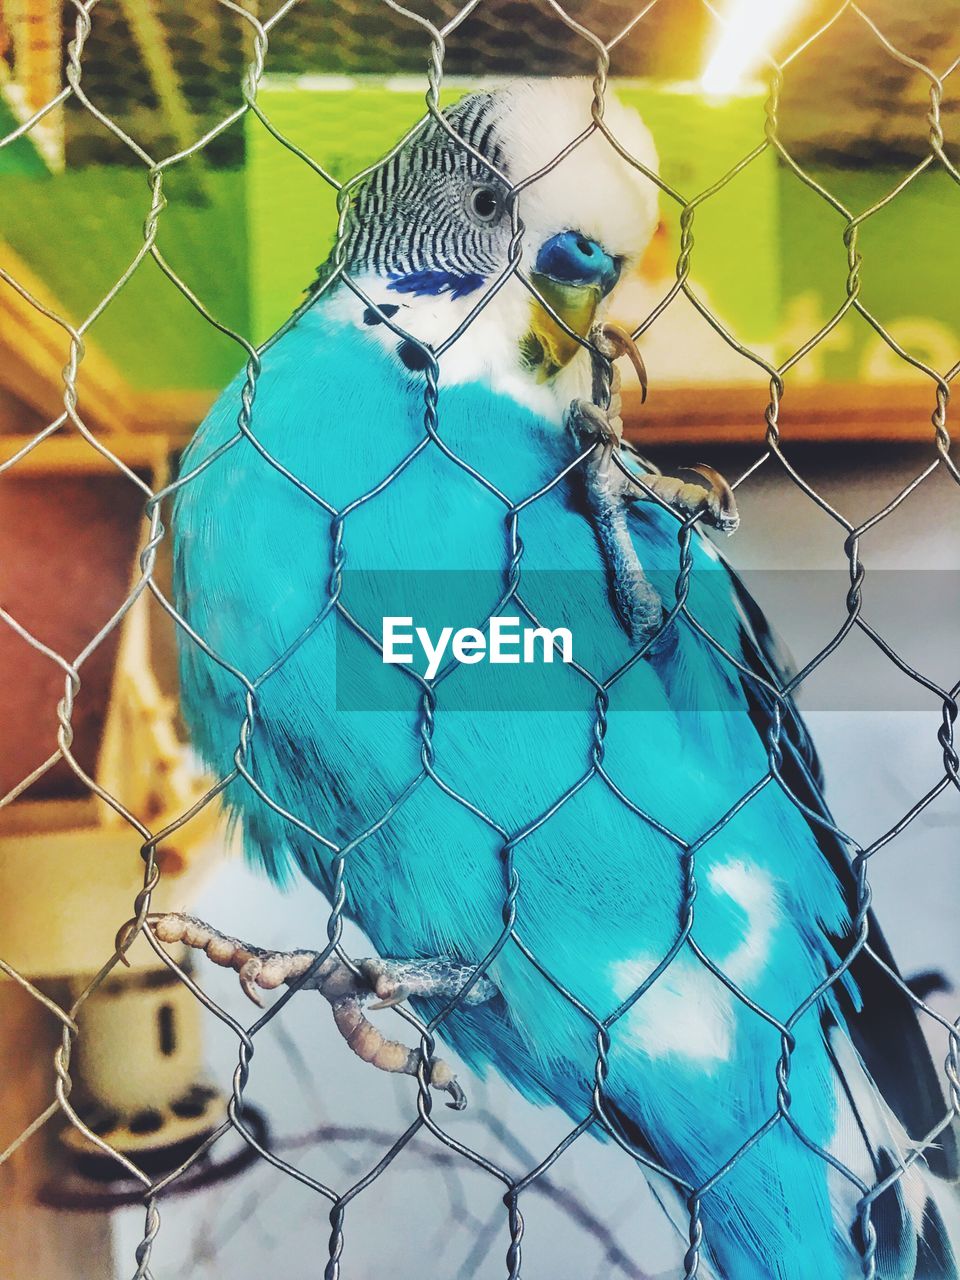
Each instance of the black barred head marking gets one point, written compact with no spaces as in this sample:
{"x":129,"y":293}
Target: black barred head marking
{"x":434,"y":218}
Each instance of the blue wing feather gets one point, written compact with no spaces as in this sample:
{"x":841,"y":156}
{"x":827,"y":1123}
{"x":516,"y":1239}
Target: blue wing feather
{"x":337,"y":738}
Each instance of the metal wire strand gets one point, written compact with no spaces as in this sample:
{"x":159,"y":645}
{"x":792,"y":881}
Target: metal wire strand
{"x":506,"y":930}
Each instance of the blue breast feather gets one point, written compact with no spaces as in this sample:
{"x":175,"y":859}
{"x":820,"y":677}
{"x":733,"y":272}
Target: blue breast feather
{"x":600,"y":888}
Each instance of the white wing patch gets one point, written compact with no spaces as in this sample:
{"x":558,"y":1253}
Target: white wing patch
{"x":688,"y":1012}
{"x":752,"y":889}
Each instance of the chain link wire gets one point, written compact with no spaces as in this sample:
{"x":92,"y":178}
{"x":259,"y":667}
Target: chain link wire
{"x":580,"y":48}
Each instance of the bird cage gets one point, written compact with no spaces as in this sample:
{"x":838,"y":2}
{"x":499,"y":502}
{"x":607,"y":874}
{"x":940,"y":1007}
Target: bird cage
{"x":70,"y":865}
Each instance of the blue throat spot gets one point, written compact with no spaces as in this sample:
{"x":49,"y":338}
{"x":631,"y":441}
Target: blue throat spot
{"x":435,"y":283}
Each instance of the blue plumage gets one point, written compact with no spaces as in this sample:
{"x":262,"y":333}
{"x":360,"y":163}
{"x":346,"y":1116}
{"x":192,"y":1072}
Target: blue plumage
{"x":601,"y":890}
{"x":601,"y":882}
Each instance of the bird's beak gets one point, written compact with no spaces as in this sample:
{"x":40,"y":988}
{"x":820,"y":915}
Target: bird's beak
{"x":572,"y":274}
{"x":547,"y":347}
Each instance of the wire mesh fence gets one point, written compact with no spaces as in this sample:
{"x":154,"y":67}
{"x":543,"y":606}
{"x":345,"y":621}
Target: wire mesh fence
{"x":250,"y":40}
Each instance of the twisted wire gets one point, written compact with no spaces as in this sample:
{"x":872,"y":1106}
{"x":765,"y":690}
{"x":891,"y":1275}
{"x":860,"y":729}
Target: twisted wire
{"x":507,"y":930}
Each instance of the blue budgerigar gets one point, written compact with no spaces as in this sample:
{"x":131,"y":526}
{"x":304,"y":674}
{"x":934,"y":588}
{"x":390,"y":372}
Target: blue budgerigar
{"x":346,"y":478}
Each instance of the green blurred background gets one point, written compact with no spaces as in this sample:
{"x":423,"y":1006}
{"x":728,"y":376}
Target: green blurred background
{"x":248,"y":222}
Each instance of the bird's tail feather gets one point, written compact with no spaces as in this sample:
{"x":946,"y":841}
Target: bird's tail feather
{"x":916,"y":1218}
{"x":939,"y":1233}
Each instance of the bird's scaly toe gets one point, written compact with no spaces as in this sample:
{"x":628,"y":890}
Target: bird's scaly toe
{"x":348,"y":989}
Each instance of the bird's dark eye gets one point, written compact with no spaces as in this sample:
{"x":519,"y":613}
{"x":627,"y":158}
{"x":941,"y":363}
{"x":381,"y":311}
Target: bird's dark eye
{"x":484,"y":203}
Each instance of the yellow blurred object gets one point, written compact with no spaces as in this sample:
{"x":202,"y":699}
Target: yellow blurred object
{"x":70,"y":869}
{"x":139,"y":1008}
{"x":71,"y":866}
{"x":153,"y":1104}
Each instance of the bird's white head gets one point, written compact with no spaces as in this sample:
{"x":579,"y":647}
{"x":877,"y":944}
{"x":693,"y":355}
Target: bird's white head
{"x":520,"y":173}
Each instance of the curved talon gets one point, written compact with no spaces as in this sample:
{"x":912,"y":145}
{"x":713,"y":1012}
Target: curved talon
{"x":623,"y":344}
{"x":123,"y":939}
{"x":727,"y":515}
{"x":248,"y":974}
{"x":392,"y":1000}
{"x":441,"y":1077}
{"x":389,"y":990}
{"x":459,"y":1102}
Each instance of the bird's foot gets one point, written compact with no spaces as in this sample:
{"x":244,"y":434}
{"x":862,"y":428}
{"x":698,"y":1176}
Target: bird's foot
{"x":608,"y":492}
{"x":591,"y":425}
{"x":693,"y":491}
{"x":598,"y":421}
{"x":611,"y":486}
{"x":601,"y":431}
{"x":349,"y":988}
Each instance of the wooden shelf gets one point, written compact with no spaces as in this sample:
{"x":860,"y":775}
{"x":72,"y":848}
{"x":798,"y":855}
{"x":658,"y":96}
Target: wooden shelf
{"x":839,"y":413}
{"x":142,"y":427}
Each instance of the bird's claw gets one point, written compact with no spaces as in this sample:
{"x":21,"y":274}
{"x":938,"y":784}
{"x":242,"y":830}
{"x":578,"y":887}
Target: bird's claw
{"x":347,"y":987}
{"x":390,"y":1002}
{"x":591,"y":425}
{"x":721,"y":505}
{"x":598,"y":421}
{"x":384,"y":982}
{"x":695,"y":491}
{"x":612,"y":340}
